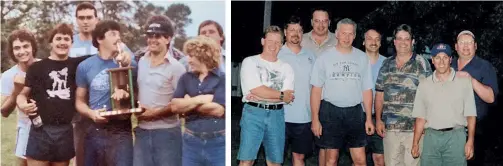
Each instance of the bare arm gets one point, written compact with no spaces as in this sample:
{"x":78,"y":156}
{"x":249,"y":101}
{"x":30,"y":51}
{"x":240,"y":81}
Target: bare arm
{"x":266,"y":93}
{"x":367,"y":104}
{"x":183,"y":105}
{"x":418,"y":130}
{"x":212,"y":109}
{"x":483,"y":91}
{"x":471,"y":128}
{"x":378,"y":105}
{"x":84,"y":109}
{"x":8,"y":105}
{"x":315,"y":103}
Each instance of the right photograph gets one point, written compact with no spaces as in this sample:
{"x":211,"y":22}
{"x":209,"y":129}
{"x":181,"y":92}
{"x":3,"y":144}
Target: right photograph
{"x":366,"y":83}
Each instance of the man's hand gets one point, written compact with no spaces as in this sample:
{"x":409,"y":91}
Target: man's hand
{"x":147,"y":115}
{"x":469,"y":150}
{"x":119,"y":94}
{"x":123,"y":58}
{"x":316,"y":128}
{"x":369,"y":127}
{"x":463,"y":74}
{"x":96,"y":116}
{"x":252,"y":97}
{"x":381,"y":129}
{"x":29,"y":108}
{"x":288,"y":96}
{"x":415,"y":150}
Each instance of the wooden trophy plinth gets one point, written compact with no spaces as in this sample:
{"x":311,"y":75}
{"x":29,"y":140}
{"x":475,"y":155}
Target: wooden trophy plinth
{"x":121,"y":84}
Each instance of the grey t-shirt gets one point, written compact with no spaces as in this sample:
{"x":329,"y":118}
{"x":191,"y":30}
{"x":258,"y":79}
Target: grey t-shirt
{"x":343,"y":77}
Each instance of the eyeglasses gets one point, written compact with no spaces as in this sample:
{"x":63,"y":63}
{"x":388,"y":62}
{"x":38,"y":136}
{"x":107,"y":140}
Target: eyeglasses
{"x":154,"y":35}
{"x":316,"y":21}
{"x":466,"y":42}
{"x":85,"y":17}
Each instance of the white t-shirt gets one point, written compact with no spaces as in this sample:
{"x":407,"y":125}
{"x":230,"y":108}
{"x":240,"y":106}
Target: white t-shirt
{"x":256,"y":72}
{"x":8,"y":87}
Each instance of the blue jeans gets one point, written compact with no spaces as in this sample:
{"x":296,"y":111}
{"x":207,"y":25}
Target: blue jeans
{"x":201,"y":152}
{"x":108,"y":147}
{"x":262,"y":126}
{"x":161,"y":147}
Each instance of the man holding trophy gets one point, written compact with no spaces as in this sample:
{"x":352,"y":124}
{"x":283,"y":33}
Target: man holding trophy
{"x":109,"y":140}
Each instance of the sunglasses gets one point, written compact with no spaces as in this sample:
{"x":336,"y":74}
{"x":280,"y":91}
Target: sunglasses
{"x":154,"y":35}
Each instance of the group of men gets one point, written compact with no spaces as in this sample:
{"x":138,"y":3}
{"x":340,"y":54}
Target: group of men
{"x":317,"y":86}
{"x":63,"y":94}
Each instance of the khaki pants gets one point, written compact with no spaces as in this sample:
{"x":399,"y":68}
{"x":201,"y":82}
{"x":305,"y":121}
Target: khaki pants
{"x":397,"y":149}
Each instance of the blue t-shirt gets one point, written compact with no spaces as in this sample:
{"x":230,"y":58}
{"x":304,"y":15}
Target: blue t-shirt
{"x":375,"y":72}
{"x":92,"y":74}
{"x":299,"y":111}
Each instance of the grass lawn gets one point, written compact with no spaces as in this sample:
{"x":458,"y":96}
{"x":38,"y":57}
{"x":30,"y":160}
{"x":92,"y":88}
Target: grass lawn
{"x":8,"y":140}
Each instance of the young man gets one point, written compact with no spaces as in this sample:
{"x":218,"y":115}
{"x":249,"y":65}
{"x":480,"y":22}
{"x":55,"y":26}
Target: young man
{"x":298,"y":113}
{"x":271,"y":81}
{"x":109,"y":140}
{"x":212,"y":29}
{"x":394,"y":99}
{"x":49,"y":93}
{"x":86,"y":17}
{"x":320,"y":38}
{"x":372,"y":44}
{"x":341,"y":80}
{"x":158,"y":135}
{"x":22,"y":48}
{"x":485,"y":85}
{"x":444,"y":105}
{"x":200,"y":96}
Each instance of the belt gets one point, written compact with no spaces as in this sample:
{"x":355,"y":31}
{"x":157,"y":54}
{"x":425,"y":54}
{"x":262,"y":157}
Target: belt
{"x":205,"y":135}
{"x":266,"y":106}
{"x":444,"y":129}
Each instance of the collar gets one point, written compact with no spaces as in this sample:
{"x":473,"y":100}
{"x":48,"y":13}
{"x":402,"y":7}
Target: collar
{"x":330,"y":36}
{"x":413,"y":58}
{"x":451,"y":77}
{"x":289,"y":50}
{"x":167,"y":57}
{"x":215,"y":72}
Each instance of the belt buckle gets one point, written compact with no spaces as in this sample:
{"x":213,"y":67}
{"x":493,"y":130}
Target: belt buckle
{"x":265,"y":106}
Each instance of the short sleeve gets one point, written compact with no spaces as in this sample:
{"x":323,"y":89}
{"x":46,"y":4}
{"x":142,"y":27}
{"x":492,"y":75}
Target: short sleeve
{"x":289,"y":78}
{"x":80,"y":76}
{"x":426,"y":69}
{"x":318,"y":73}
{"x":219,"y":95}
{"x":250,"y":78}
{"x":381,"y":76}
{"x":419,"y":110}
{"x":7,"y":83}
{"x":490,"y":79}
{"x":178,"y":71}
{"x":180,"y":88}
{"x":31,"y":76}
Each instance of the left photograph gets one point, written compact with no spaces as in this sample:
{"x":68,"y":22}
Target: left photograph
{"x":113,"y":83}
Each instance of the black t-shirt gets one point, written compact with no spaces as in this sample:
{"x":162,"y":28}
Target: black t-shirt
{"x":53,"y":88}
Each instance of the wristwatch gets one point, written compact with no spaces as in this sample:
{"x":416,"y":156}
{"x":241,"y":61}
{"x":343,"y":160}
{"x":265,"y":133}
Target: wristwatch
{"x":281,"y":95}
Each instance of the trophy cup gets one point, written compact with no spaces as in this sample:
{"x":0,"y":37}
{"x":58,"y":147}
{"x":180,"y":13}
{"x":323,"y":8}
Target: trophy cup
{"x":121,"y":88}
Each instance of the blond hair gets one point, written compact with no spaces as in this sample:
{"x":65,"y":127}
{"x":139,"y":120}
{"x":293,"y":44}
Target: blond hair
{"x":204,"y":49}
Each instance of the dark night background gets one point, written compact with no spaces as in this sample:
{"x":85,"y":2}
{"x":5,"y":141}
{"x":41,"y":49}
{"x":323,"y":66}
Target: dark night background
{"x":432,"y":22}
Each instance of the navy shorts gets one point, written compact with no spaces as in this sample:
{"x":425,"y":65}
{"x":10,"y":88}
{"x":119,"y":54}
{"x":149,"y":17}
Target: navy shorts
{"x":299,"y":136}
{"x":341,"y":127}
{"x":52,"y":143}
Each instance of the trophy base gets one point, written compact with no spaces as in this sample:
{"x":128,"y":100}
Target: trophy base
{"x":120,"y":112}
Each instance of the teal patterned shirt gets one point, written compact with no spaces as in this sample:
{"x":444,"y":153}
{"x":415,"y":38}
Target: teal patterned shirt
{"x":399,"y":87}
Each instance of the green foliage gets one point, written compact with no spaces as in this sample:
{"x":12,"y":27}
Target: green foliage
{"x":41,"y":16}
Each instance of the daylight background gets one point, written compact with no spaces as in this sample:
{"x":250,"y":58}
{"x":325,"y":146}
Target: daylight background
{"x":39,"y":17}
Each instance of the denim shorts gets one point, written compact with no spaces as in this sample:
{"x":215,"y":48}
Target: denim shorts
{"x":52,"y":143}
{"x":262,"y":126}
{"x":341,"y":127}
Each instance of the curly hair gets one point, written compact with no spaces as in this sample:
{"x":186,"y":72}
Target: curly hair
{"x":63,"y":28}
{"x":21,"y":35}
{"x":204,"y":49}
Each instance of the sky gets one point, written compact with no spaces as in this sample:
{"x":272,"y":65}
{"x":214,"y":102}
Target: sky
{"x":201,"y":10}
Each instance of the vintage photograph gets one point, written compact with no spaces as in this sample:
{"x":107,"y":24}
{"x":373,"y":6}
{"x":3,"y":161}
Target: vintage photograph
{"x":113,"y":83}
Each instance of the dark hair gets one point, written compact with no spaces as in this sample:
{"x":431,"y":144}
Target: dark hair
{"x":63,"y":28}
{"x":21,"y":35}
{"x":103,"y":27}
{"x":219,"y":28}
{"x":374,"y":29}
{"x":293,"y":20}
{"x":403,"y":27}
{"x":162,"y":19}
{"x":322,"y":9}
{"x":86,"y":5}
{"x":273,"y":29}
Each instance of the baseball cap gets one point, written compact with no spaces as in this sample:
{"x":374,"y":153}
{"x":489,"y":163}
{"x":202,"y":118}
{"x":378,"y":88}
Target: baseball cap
{"x":159,"y":28}
{"x":466,"y":32}
{"x":441,"y":47}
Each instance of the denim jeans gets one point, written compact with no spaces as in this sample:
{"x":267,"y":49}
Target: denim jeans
{"x":108,"y":147}
{"x":203,"y":152}
{"x":159,"y":147}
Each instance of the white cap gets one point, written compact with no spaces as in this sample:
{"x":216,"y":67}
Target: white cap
{"x":466,"y":32}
